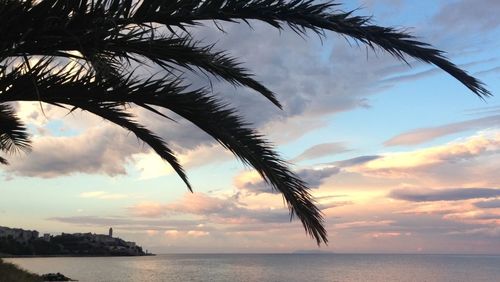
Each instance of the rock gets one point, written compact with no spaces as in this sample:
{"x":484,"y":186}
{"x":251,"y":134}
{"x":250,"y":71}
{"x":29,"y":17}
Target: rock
{"x":55,"y":277}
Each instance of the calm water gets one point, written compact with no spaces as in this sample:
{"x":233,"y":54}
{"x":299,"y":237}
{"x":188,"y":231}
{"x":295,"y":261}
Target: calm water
{"x":279,"y":267}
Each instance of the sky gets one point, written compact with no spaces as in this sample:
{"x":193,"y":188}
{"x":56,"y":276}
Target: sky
{"x":401,"y":159}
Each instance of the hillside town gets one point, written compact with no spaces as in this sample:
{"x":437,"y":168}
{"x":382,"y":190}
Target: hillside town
{"x":16,"y":241}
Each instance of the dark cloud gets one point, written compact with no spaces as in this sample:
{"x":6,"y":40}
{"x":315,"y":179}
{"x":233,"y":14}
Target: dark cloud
{"x":322,"y":150}
{"x":490,"y":231}
{"x":452,"y":194}
{"x":419,"y":136}
{"x":410,"y":77}
{"x":491,"y":204}
{"x":335,"y":204}
{"x":487,"y":216}
{"x":429,"y":72}
{"x":313,"y":177}
{"x":258,"y":187}
{"x":488,"y":71}
{"x":355,"y":161}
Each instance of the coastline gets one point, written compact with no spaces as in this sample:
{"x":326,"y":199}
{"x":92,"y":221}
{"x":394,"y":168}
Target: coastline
{"x":2,"y":256}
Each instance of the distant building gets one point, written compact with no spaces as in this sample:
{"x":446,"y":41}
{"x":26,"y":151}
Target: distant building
{"x":101,"y":238}
{"x":20,"y":235}
{"x":67,"y":244}
{"x":130,"y":244}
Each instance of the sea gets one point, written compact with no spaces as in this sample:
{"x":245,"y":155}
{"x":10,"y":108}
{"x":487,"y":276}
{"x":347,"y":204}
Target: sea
{"x":271,"y":267}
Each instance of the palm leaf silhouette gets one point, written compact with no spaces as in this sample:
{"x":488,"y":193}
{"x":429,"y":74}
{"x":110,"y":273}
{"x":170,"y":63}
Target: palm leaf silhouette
{"x":85,"y":49}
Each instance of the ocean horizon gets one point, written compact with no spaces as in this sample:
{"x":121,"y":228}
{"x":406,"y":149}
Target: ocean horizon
{"x":272,"y":267}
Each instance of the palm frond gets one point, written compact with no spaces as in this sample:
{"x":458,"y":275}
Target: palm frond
{"x":54,"y":86}
{"x":173,"y":52}
{"x":303,"y":15}
{"x":84,"y":25}
{"x":197,"y":106}
{"x":100,"y":39}
{"x":111,"y":112}
{"x":13,"y":135}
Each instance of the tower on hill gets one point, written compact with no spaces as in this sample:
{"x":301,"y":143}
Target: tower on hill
{"x":110,"y":232}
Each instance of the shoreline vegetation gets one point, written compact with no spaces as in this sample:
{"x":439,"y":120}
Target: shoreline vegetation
{"x":11,"y":272}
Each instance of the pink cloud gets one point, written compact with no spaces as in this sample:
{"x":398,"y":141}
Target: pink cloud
{"x":423,"y":135}
{"x":361,"y":224}
{"x":199,"y":203}
{"x":467,"y":162}
{"x":379,"y":235}
{"x":148,"y":209}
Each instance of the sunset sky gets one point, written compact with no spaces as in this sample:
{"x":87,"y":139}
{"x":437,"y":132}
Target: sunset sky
{"x":401,"y":159}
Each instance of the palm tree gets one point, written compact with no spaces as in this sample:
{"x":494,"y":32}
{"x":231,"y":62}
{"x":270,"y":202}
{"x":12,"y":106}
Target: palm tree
{"x":79,"y":54}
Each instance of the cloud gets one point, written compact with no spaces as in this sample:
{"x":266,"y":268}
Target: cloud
{"x":488,"y":71}
{"x":226,"y":210}
{"x":355,"y":161}
{"x":469,"y":160}
{"x":253,"y":183}
{"x":381,"y":235}
{"x":148,"y":209}
{"x":171,"y":233}
{"x":104,"y":149}
{"x":451,"y":194}
{"x":174,"y":234}
{"x":423,"y":135}
{"x":331,"y":205}
{"x":201,"y":203}
{"x":129,"y":223}
{"x":322,"y":79}
{"x":491,"y":204}
{"x":474,"y":216}
{"x":103,"y":195}
{"x":398,"y":78}
{"x":363,"y":224}
{"x":151,"y":165}
{"x":152,"y":232}
{"x":411,"y":77}
{"x":466,"y":16}
{"x":198,"y":233}
{"x":484,"y":231}
{"x":321,"y":150}
{"x":315,"y":177}
{"x":191,"y":203}
{"x":100,"y":150}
